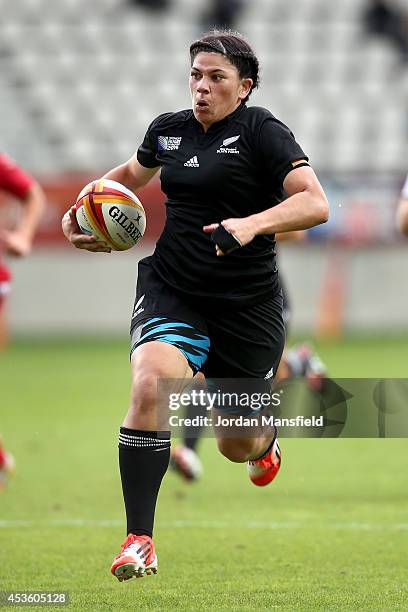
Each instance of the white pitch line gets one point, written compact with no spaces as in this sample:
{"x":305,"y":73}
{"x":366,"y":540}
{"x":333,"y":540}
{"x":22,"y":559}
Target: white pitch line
{"x":181,"y":524}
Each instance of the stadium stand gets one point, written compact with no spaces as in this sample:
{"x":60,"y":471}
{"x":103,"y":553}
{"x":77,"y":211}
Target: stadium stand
{"x":80,"y":81}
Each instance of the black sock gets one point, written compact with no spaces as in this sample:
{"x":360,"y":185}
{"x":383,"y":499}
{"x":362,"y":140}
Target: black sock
{"x":143,"y":460}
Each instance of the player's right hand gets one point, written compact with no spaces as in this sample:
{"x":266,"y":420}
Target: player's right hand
{"x":73,"y":234}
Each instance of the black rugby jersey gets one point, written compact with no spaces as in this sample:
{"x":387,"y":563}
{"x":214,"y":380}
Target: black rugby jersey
{"x":235,"y":169}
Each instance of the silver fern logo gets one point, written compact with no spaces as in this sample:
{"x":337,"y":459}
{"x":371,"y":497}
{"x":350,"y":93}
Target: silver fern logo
{"x":229,"y":141}
{"x":225,"y":148}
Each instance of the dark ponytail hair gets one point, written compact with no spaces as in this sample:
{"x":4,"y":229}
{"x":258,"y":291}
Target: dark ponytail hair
{"x":234,"y":47}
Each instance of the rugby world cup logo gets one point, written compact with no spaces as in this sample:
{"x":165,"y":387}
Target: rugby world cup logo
{"x":168,"y":143}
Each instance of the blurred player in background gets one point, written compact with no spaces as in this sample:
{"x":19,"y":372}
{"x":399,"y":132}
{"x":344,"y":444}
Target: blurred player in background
{"x":151,"y":5}
{"x":208,"y":300}
{"x":402,"y":211}
{"x":223,"y":13}
{"x":388,"y":19}
{"x":17,"y":242}
{"x":7,"y":466}
{"x":298,"y":361}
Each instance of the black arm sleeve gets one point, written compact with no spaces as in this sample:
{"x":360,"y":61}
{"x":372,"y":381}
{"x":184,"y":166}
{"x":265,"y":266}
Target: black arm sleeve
{"x":278,"y":149}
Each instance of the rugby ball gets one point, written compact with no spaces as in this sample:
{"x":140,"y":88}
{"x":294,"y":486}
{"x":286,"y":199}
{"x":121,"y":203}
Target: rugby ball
{"x":112,"y":213}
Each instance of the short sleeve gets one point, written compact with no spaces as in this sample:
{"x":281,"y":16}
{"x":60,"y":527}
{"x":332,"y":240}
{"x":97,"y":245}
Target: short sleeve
{"x":147,"y":152}
{"x":13,"y":179}
{"x":278,"y":149}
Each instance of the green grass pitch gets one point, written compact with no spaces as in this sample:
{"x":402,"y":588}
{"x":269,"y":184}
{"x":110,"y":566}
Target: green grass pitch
{"x":330,"y":534}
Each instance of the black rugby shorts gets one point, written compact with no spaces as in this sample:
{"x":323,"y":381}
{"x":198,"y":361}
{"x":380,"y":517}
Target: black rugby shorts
{"x":286,"y":305}
{"x":245,"y":343}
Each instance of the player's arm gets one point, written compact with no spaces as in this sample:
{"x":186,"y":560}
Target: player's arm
{"x":296,"y":236}
{"x":402,"y":210}
{"x":19,"y":241}
{"x":131,"y":174}
{"x":32,"y":198}
{"x":305,"y":207}
{"x":402,"y":216}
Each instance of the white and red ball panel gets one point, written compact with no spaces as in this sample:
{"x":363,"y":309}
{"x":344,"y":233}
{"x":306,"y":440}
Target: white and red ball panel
{"x":111,"y":212}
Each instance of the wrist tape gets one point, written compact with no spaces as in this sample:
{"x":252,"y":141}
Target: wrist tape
{"x":225,"y":240}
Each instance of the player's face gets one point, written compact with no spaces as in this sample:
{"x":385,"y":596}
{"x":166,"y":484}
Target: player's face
{"x":216,"y":88}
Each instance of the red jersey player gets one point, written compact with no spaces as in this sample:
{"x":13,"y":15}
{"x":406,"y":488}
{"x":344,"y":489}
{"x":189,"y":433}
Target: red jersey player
{"x":18,"y":241}
{"x":402,"y":212}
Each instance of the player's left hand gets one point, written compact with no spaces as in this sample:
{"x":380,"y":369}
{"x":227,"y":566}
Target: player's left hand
{"x":242,"y":229}
{"x":15,"y":243}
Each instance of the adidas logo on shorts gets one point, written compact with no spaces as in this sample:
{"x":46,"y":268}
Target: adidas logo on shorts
{"x":193,"y":162}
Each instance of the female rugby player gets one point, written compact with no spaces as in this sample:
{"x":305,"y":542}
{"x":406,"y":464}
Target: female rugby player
{"x":402,"y":211}
{"x":15,"y":182}
{"x":209,"y":298}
